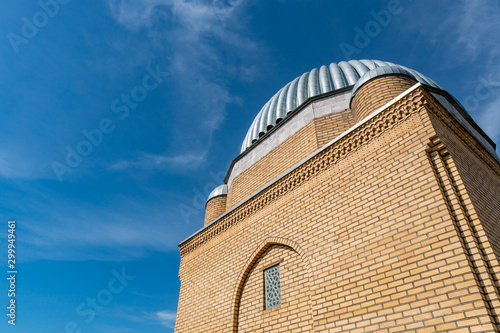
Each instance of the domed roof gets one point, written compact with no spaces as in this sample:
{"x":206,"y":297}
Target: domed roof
{"x":319,"y":81}
{"x":217,"y":192}
{"x":380,"y":71}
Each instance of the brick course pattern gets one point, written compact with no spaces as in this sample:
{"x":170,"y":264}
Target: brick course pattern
{"x":215,"y":208}
{"x":330,"y":126}
{"x":389,"y":229}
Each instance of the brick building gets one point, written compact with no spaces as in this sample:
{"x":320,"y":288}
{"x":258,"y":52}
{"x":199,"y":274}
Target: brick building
{"x":365,"y":199}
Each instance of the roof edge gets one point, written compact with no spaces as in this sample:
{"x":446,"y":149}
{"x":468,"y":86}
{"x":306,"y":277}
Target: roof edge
{"x":463,"y":112}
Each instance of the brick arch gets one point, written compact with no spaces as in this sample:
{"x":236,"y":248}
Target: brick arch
{"x":252,"y":260}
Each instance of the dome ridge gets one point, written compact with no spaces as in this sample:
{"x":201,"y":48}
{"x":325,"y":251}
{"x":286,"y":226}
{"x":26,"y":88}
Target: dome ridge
{"x":320,"y":81}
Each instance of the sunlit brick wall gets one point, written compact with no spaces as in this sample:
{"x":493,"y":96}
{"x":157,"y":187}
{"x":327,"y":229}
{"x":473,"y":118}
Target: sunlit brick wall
{"x":295,"y":295}
{"x":374,"y":94}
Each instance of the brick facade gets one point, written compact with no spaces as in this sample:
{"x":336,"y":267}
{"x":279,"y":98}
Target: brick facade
{"x":312,"y":136}
{"x":330,"y":126}
{"x":295,"y":311}
{"x":393,"y":227}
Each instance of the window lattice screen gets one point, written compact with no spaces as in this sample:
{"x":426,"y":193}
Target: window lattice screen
{"x":272,"y":286}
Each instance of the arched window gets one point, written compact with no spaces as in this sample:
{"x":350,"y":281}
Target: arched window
{"x":272,"y":286}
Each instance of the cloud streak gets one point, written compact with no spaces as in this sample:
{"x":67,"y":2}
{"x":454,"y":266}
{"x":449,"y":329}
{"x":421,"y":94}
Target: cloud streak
{"x":166,"y":318}
{"x":489,"y":119}
{"x":478,"y":19}
{"x":162,"y":162}
{"x":478,"y":35}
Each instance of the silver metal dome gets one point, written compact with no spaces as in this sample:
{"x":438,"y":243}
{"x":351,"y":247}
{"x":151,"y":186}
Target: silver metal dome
{"x":317,"y":82}
{"x":217,"y":192}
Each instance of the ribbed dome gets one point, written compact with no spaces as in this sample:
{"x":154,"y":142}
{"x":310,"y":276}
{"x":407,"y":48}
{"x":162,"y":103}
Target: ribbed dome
{"x":380,"y":71}
{"x":320,"y":81}
{"x":218,"y":191}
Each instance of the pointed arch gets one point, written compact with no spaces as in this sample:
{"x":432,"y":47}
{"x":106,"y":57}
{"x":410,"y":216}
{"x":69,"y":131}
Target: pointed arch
{"x":252,"y":260}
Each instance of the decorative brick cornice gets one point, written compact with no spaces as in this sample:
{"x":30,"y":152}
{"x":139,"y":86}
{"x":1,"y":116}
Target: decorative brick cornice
{"x":397,"y":112}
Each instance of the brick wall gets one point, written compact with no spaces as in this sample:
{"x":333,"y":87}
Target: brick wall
{"x":330,"y":126}
{"x":314,"y":135}
{"x":484,"y":190}
{"x":378,"y":237}
{"x":378,"y":92}
{"x":215,"y":208}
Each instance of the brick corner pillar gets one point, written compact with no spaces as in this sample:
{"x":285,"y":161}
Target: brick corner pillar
{"x":214,"y":208}
{"x":377,"y":92}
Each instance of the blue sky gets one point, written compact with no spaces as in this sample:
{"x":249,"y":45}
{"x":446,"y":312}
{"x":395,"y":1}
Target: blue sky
{"x":200,"y":71}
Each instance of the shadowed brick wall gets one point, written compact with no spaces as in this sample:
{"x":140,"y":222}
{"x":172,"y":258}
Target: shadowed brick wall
{"x":481,"y":182}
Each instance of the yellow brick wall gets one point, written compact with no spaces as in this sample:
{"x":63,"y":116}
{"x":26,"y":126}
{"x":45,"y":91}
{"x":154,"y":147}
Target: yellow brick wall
{"x":215,"y":208}
{"x":329,"y":126}
{"x":376,"y":238}
{"x":277,"y":161}
{"x":314,"y":135}
{"x":378,"y":92}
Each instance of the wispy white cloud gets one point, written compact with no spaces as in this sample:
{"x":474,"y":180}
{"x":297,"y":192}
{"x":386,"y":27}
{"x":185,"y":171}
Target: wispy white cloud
{"x":206,"y":45}
{"x":200,"y":15}
{"x":467,"y":37}
{"x":489,"y":119}
{"x":163,"y":162}
{"x":466,"y":33}
{"x":125,"y":229}
{"x":477,"y":31}
{"x":166,"y":318}
{"x":6,"y":168}
{"x":135,"y":14}
{"x":478,"y":40}
{"x":14,"y":163}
